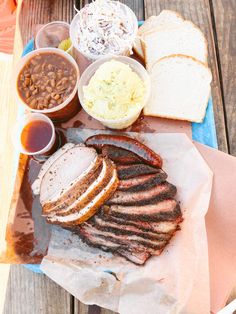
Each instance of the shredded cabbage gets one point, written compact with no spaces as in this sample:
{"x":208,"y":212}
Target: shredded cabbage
{"x":104,"y":27}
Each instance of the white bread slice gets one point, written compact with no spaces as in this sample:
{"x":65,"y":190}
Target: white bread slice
{"x":166,"y":18}
{"x":186,"y":39}
{"x":180,"y":89}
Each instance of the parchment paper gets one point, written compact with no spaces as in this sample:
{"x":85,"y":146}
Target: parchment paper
{"x":175,"y":282}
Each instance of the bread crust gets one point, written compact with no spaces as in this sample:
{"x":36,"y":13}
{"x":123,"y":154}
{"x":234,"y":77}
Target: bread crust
{"x":144,"y":45}
{"x":172,"y":117}
{"x":141,"y":32}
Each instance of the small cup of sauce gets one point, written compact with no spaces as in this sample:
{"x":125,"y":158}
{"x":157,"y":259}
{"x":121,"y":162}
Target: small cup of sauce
{"x":35,"y":135}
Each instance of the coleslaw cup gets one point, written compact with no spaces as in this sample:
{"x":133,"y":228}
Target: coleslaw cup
{"x":136,"y":67}
{"x":78,"y":53}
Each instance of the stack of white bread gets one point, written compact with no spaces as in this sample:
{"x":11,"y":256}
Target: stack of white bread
{"x":175,"y":53}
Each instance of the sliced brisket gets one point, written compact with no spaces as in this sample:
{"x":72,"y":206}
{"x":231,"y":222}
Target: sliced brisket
{"x":120,"y":155}
{"x":117,"y":228}
{"x":131,"y":171}
{"x":143,"y":182}
{"x":166,"y":210}
{"x":157,"y":227}
{"x":157,"y":193}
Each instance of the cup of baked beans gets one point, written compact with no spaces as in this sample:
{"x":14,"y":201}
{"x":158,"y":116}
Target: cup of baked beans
{"x":47,"y":82}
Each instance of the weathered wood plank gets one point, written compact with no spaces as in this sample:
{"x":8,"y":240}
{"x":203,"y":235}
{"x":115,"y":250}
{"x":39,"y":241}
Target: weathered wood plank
{"x":136,"y":5}
{"x":44,"y":12}
{"x":81,"y":308}
{"x":199,"y":12}
{"x":225,"y":23}
{"x":30,"y":293}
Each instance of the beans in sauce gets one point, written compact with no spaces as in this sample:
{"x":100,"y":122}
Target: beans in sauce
{"x":46,"y":81}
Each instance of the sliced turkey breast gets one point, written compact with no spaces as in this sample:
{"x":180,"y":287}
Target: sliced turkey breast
{"x":76,"y":188}
{"x":80,"y":214}
{"x":92,"y":190}
{"x":37,"y":183}
{"x":64,"y":170}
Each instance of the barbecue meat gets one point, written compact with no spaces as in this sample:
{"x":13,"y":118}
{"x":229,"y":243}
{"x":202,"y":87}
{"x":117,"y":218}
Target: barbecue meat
{"x":157,"y":193}
{"x":166,"y":210}
{"x":64,"y":170}
{"x":131,"y":171}
{"x":137,"y":243}
{"x":37,"y":183}
{"x":91,"y":191}
{"x":120,"y":155}
{"x":146,"y":226}
{"x":118,"y":201}
{"x":142,"y":182}
{"x":80,"y":212}
{"x":137,"y":257}
{"x":117,"y":228}
{"x":76,"y":188}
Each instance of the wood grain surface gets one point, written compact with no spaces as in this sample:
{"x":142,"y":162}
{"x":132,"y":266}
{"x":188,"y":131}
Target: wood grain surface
{"x":34,"y":294}
{"x":30,"y":293}
{"x":225,"y":33}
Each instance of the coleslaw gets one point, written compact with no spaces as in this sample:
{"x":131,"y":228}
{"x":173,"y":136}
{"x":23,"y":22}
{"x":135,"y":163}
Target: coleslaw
{"x":105,"y":27}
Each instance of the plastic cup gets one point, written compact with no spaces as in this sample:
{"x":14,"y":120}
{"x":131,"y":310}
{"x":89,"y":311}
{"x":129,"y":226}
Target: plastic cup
{"x":52,"y":34}
{"x":65,"y":110}
{"x":77,"y":53}
{"x":23,"y":121}
{"x":136,"y":67}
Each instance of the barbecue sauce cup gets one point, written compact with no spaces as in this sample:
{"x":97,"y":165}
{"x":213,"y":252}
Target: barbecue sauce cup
{"x":34,"y":134}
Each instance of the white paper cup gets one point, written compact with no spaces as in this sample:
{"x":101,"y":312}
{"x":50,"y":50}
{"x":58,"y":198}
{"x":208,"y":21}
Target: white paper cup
{"x":136,"y":67}
{"x":77,"y":52}
{"x":17,"y":131}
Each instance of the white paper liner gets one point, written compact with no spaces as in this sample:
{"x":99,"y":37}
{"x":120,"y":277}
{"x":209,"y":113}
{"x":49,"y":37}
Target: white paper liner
{"x":175,"y":282}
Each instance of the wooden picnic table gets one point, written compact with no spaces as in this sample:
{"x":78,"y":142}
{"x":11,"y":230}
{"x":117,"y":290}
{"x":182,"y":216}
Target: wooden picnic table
{"x":30,"y":293}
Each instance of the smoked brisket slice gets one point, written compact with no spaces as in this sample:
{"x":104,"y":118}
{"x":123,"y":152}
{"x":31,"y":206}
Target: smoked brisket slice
{"x":134,"y":242}
{"x":137,"y":257}
{"x":166,"y":210}
{"x":117,"y":228}
{"x":156,"y":227}
{"x":120,"y":155}
{"x":150,"y":196}
{"x":143,"y":182}
{"x":131,"y":171}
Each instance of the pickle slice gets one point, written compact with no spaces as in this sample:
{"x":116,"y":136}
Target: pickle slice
{"x":65,"y":44}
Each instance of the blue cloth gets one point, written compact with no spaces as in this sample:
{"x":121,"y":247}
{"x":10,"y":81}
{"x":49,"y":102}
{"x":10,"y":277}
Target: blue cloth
{"x":204,"y":132}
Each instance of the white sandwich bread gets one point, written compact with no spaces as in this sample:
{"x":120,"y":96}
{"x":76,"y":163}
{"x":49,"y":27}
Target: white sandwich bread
{"x":166,"y":19}
{"x":185,"y":39}
{"x":180,"y":89}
